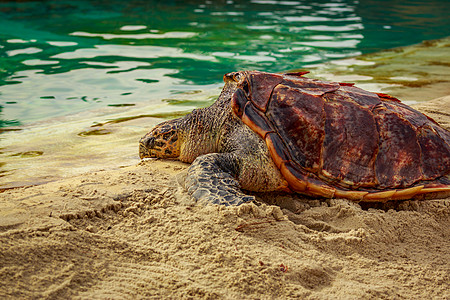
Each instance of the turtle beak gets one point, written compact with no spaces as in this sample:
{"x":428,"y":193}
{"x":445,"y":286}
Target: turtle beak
{"x":145,"y":144}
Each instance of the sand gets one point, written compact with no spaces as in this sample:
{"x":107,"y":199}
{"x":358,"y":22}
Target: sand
{"x":134,"y":233}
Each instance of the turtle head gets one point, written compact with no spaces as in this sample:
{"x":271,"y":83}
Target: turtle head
{"x":162,"y":141}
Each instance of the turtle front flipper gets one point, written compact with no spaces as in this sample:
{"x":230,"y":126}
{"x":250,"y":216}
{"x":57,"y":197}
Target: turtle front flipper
{"x":211,"y":179}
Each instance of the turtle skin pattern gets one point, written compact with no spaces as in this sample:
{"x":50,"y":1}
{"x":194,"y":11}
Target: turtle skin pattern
{"x":336,"y":140}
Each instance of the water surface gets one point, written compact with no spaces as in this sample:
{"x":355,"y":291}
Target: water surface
{"x":65,"y":57}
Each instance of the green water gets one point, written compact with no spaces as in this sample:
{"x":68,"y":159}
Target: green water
{"x":64,"y":57}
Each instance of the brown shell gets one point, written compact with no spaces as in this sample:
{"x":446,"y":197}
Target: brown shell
{"x":335,"y":140}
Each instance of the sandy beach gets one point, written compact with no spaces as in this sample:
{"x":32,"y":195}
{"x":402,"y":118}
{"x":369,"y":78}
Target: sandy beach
{"x":132,"y":232}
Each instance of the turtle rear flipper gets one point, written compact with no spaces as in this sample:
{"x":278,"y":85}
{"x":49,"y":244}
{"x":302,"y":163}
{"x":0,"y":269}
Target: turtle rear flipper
{"x":210,"y":180}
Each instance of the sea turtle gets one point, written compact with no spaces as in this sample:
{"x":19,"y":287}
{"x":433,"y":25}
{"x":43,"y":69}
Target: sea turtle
{"x":286,"y":132}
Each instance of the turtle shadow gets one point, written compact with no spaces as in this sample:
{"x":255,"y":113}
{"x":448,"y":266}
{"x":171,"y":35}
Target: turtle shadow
{"x":331,"y":215}
{"x":297,"y":203}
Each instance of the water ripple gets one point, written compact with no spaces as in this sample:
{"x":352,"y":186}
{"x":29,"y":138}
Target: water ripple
{"x":29,"y":50}
{"x":140,"y":36}
{"x":133,"y":27}
{"x":328,"y":28}
{"x":131,"y":52}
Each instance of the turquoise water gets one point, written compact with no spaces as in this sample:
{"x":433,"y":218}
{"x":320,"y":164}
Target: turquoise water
{"x":63,"y":57}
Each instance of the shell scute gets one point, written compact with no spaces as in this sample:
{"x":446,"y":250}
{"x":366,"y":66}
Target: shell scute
{"x":398,"y":161}
{"x":261,"y":87}
{"x":296,"y":179}
{"x":310,"y":86}
{"x":300,"y":181}
{"x":361,"y":97}
{"x":256,"y":119}
{"x":437,"y":158}
{"x":414,"y":117}
{"x":277,"y":149}
{"x":300,"y":123}
{"x":347,"y":152}
{"x":238,"y":102}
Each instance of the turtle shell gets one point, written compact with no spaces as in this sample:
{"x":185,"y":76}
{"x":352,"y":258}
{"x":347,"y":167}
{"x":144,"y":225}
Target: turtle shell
{"x":335,"y":140}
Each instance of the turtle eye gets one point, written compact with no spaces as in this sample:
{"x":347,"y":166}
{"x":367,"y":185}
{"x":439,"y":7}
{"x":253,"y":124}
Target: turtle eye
{"x":234,"y":76}
{"x":148,"y":142}
{"x":237,"y":76}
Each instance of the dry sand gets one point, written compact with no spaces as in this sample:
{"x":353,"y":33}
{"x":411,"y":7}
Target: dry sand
{"x":133,"y":233}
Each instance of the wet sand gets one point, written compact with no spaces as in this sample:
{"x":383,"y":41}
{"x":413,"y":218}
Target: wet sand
{"x":130,"y":231}
{"x":413,"y":74}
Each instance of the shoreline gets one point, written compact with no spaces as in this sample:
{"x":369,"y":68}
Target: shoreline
{"x":60,"y":148}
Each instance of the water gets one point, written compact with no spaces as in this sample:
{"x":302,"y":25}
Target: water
{"x":64,"y":57}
